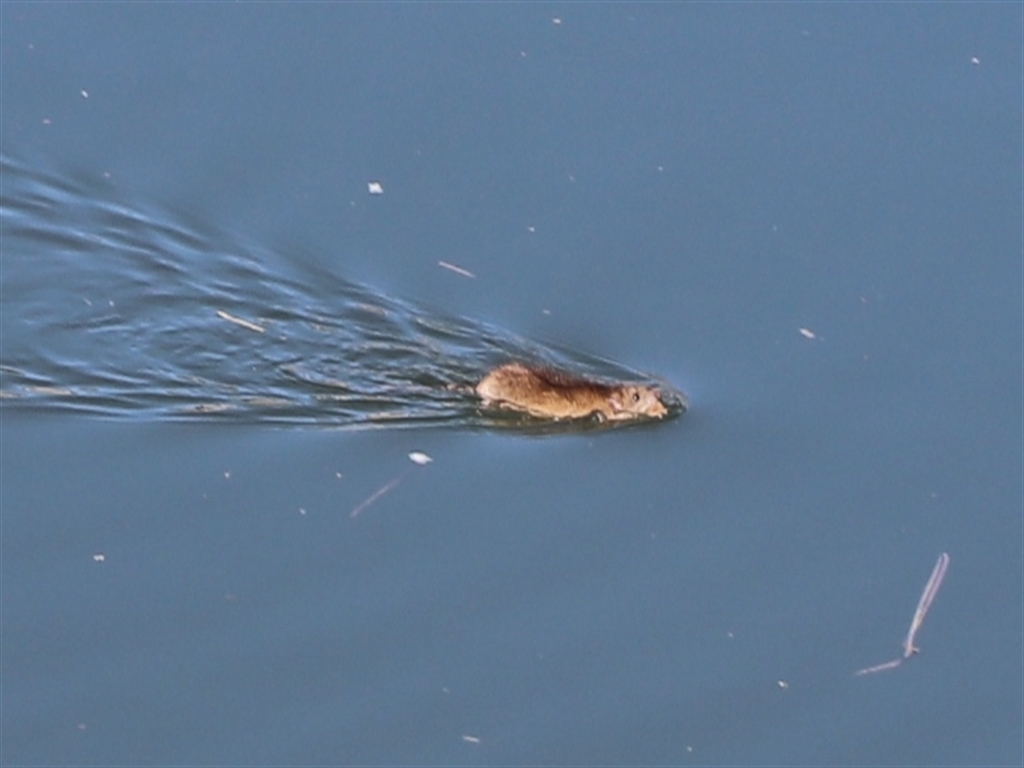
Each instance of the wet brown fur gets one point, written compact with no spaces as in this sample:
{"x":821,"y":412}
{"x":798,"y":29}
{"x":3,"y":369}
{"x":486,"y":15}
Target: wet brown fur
{"x":553,"y":394}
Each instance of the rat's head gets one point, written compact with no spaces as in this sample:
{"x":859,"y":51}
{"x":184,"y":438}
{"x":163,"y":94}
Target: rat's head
{"x":635,"y":400}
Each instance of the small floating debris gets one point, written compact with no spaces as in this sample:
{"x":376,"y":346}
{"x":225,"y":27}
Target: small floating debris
{"x":416,"y":457}
{"x":807,"y":333}
{"x":210,"y":408}
{"x":239,"y":321}
{"x":267,"y":402}
{"x":386,"y":488}
{"x":457,"y":270}
{"x":471,"y":739}
{"x":50,"y":391}
{"x":99,"y":557}
{"x":375,"y":188}
{"x":930,"y":590}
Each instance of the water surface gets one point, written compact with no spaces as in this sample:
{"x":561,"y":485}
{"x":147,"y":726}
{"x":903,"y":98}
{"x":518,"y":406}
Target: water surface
{"x":680,"y":188}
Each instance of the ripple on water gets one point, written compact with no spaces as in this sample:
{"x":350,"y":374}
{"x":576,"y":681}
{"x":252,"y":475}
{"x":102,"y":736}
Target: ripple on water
{"x":115,"y":310}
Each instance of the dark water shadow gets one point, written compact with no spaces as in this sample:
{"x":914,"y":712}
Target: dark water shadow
{"x":111,"y":309}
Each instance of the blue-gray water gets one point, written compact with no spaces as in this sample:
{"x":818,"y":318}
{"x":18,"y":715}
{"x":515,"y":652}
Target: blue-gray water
{"x":678,"y":188}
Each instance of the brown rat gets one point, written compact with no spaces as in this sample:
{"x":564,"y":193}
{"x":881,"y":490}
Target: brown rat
{"x":555,"y":395}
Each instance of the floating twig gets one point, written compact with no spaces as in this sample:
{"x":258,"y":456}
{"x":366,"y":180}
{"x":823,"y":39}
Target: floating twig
{"x":377,"y":494}
{"x":453,"y":268}
{"x":239,"y":321}
{"x":416,"y":457}
{"x":930,"y":590}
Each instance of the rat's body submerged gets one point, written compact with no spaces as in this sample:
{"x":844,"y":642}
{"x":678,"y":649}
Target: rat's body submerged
{"x":555,"y":395}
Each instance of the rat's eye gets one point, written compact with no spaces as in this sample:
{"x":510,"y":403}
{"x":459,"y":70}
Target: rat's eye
{"x":636,"y":397}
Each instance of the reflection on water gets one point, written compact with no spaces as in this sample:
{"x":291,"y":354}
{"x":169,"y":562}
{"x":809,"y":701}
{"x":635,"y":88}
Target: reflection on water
{"x":112,"y":309}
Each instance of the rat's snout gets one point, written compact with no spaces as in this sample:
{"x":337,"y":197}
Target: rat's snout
{"x":674,"y":399}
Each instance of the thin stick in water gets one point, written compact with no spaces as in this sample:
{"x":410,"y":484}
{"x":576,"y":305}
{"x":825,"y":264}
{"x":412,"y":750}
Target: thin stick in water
{"x":416,"y":457}
{"x":456,"y":269}
{"x":376,"y":495}
{"x":239,"y":321}
{"x":880,"y":667}
{"x":930,"y":590}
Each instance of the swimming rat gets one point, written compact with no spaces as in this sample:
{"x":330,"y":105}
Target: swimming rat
{"x":553,"y":394}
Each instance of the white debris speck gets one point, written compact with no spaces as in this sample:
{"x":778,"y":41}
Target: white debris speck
{"x":807,"y":333}
{"x":302,"y":511}
{"x":975,"y":60}
{"x":417,"y":457}
{"x":99,"y":557}
{"x":375,"y":187}
{"x":85,"y":94}
{"x":556,"y":21}
{"x":783,"y":684}
{"x":470,"y":739}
